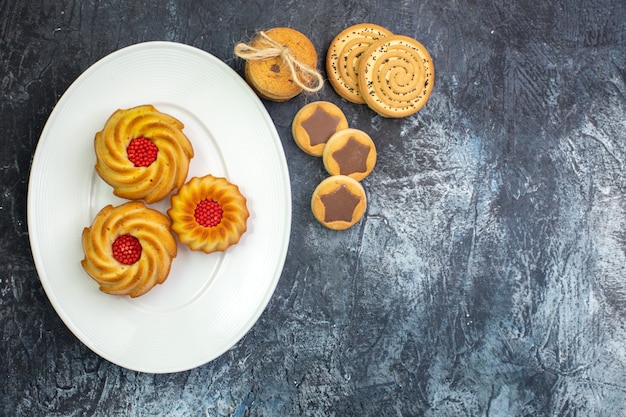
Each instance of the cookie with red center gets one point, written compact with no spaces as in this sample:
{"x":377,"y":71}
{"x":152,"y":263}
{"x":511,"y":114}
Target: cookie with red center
{"x":142,"y":153}
{"x":128,"y":249}
{"x":209,"y":214}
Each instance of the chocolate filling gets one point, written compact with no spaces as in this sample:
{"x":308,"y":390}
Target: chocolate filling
{"x":339,"y":204}
{"x":352,"y":157}
{"x":320,"y":126}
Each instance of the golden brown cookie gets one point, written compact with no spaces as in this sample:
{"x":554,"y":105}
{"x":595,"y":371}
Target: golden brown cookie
{"x":350,"y":152}
{"x":396,"y":76}
{"x":338,"y":202}
{"x":128,"y":249}
{"x":344,"y":53}
{"x":209,"y":214}
{"x":271,"y":77}
{"x":314,"y":124}
{"x":142,"y":153}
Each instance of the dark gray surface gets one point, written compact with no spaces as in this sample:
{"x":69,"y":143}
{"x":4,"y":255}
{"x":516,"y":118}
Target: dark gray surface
{"x":488,"y":277}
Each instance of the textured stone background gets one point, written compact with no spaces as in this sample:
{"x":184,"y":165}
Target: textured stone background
{"x":488,"y":277}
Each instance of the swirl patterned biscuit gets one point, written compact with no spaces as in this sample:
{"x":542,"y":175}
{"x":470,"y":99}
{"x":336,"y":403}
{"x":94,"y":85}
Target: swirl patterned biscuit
{"x":344,"y":54}
{"x":209,"y":214}
{"x":128,"y":249}
{"x":142,"y":153}
{"x":396,"y":76}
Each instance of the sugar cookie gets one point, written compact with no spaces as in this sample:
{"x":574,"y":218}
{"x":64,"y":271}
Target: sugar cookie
{"x":271,"y":76}
{"x":314,"y":124}
{"x":344,"y":53}
{"x":396,"y":76}
{"x":338,"y":202}
{"x":350,"y":152}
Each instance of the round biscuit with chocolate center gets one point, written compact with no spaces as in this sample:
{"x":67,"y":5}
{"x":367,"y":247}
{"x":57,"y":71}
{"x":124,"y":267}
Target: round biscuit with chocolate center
{"x":350,"y":152}
{"x":315,"y":123}
{"x":338,"y":202}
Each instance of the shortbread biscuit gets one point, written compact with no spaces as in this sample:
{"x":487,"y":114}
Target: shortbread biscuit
{"x":344,"y":53}
{"x":128,"y":249}
{"x":350,"y":152}
{"x":142,"y":153}
{"x":396,"y":76}
{"x":271,"y":78}
{"x":315,"y":123}
{"x":338,"y":202}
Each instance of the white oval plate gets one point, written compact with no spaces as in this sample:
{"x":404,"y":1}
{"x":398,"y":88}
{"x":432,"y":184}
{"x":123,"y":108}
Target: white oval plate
{"x":208,"y":302}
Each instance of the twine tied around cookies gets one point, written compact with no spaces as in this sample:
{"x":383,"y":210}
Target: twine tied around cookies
{"x":274,"y":50}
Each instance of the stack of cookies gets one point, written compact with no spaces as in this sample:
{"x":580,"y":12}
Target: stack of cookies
{"x":392,"y":74}
{"x":280,"y":64}
{"x":349,"y":155}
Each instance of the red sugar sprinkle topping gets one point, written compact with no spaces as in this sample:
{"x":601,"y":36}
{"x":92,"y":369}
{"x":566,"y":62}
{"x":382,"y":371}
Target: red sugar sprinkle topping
{"x":208,"y":213}
{"x":142,"y":152}
{"x":126,"y":249}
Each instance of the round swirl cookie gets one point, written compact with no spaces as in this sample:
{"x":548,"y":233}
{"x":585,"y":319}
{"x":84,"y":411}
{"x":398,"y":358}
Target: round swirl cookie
{"x":209,"y":214}
{"x":344,"y":54}
{"x":142,"y":153}
{"x":350,"y":152}
{"x":128,"y":249}
{"x":396,"y":76}
{"x":338,"y":202}
{"x":271,"y":77}
{"x":315,"y":123}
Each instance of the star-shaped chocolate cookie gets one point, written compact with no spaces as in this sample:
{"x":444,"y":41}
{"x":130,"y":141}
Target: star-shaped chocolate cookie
{"x":338,"y":202}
